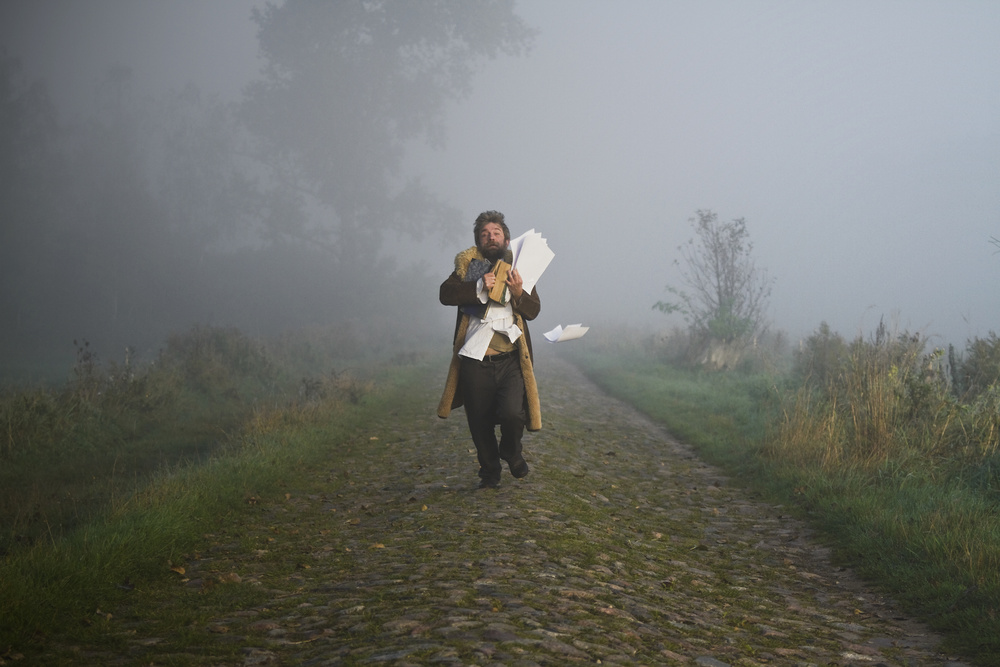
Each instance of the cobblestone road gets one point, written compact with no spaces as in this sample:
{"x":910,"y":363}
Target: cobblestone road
{"x":621,"y":547}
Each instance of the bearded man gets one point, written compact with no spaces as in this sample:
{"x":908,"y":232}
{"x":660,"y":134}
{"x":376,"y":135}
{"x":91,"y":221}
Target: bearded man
{"x":491,"y":370}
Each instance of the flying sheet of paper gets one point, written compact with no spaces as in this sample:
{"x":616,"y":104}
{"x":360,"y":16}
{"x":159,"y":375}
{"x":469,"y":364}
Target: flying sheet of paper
{"x":531,"y":255}
{"x":572,"y":331}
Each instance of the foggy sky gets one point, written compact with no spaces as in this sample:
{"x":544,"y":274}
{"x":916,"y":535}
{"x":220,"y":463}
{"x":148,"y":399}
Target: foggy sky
{"x":860,"y":141}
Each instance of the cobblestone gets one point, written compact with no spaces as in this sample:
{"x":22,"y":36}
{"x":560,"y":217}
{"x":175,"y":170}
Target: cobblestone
{"x":621,"y":547}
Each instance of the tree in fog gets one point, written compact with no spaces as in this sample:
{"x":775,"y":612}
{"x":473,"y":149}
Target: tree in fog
{"x":113,"y":226}
{"x":724,"y":295}
{"x":201,"y":174}
{"x":345,"y":88}
{"x":28,"y":165}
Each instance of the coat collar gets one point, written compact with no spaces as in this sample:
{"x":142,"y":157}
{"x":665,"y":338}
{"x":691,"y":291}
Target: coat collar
{"x":464,"y":258}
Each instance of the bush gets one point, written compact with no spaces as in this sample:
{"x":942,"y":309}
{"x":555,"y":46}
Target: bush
{"x":212,"y":358}
{"x":70,"y":451}
{"x":866,"y":402}
{"x":821,"y":358}
{"x":980,"y":371}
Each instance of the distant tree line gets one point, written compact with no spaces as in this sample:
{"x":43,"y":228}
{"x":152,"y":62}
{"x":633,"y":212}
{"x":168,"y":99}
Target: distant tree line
{"x":267,"y":214}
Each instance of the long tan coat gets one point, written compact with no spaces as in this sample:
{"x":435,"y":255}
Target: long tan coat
{"x":456,"y":292}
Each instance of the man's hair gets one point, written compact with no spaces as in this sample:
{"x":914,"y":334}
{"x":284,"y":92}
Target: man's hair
{"x":487,"y":217}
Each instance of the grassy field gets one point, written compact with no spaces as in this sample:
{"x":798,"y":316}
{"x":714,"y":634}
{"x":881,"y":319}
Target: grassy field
{"x":898,"y":474}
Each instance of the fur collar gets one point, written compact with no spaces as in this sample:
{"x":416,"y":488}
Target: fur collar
{"x":464,"y":258}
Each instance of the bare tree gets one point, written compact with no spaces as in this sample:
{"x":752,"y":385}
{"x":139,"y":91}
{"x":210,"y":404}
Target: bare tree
{"x":726,"y":294}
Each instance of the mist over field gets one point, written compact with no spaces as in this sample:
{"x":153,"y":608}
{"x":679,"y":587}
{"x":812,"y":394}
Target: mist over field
{"x":168,"y":164}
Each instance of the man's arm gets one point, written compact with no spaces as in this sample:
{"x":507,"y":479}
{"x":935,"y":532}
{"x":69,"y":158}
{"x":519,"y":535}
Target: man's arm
{"x":455,"y":292}
{"x":528,"y":305}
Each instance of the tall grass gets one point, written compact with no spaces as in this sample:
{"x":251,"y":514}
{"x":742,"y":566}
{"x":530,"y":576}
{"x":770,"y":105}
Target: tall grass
{"x":72,"y":451}
{"x":883,"y":401}
{"x":890,"y":449}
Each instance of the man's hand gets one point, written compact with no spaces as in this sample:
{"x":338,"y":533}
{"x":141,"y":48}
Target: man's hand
{"x":489,"y":280}
{"x":514,"y":283}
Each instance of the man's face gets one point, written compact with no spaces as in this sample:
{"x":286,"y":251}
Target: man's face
{"x":491,"y":241}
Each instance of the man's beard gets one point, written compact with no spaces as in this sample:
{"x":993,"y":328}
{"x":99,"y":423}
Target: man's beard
{"x":493,"y":253}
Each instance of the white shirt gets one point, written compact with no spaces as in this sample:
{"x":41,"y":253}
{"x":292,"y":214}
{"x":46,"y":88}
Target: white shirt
{"x":497,"y":318}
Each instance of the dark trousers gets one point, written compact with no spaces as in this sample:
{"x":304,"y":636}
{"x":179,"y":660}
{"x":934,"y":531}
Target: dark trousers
{"x":493,"y":392}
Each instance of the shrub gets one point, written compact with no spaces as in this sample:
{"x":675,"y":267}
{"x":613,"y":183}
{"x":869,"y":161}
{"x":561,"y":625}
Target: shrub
{"x":872,"y":400}
{"x":980,"y":370}
{"x":821,"y":357}
{"x":219,"y":358}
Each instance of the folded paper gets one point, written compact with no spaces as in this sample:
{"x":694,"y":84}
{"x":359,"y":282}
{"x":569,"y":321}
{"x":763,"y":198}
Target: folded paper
{"x":560,"y":335}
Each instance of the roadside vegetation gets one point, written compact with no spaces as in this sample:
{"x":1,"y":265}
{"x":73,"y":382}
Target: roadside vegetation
{"x":108,"y":480}
{"x":112,"y":483}
{"x":888,"y":448}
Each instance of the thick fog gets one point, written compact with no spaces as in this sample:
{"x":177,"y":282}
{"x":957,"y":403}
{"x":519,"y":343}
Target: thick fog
{"x":860,"y":141}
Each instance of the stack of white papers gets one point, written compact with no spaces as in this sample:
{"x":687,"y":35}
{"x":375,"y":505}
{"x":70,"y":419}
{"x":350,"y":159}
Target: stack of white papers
{"x":558,"y":335}
{"x":531,"y":257}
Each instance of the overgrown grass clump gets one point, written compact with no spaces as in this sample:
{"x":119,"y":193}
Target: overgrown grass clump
{"x":889,"y":449}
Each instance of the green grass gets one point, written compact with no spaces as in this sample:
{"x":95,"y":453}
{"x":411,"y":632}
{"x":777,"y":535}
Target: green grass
{"x":925,"y":529}
{"x":68,"y":452}
{"x":725,"y":414}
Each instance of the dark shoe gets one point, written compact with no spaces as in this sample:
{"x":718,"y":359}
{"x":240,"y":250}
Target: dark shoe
{"x":519,"y":469}
{"x":489,"y":484}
